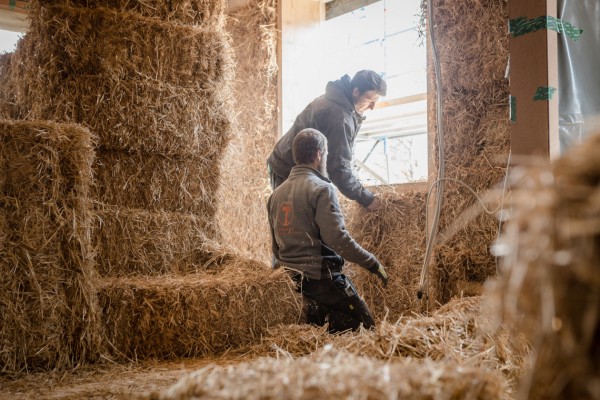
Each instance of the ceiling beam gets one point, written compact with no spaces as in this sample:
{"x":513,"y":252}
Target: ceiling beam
{"x":335,"y":8}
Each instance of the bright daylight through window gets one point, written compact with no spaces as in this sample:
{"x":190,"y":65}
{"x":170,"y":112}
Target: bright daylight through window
{"x":8,"y":40}
{"x":392,"y":144}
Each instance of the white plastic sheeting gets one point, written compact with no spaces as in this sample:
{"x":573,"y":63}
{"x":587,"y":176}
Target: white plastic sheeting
{"x":579,"y":72}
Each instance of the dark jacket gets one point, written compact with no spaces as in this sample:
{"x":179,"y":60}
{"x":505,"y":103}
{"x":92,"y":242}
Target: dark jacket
{"x":332,"y":114}
{"x":307,"y":227}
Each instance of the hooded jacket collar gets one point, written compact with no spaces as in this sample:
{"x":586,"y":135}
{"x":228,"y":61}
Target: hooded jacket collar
{"x":305,"y":169}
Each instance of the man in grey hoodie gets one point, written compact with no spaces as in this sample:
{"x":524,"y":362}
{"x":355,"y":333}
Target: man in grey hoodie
{"x":310,"y":240}
{"x":338,"y":114}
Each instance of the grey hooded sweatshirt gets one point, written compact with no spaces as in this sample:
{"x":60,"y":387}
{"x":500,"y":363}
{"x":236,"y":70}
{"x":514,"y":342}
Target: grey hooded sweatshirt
{"x":307,"y":227}
{"x":334,"y":115}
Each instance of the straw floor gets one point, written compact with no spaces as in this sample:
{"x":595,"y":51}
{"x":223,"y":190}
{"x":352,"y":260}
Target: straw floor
{"x":336,"y":374}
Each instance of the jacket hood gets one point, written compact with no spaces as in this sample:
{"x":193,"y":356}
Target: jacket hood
{"x":340,"y":92}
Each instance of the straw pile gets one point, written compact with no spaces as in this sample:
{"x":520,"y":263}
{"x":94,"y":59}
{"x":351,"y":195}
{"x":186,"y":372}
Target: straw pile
{"x":333,"y":373}
{"x":472,"y":42}
{"x":549,"y":287}
{"x":195,"y":314}
{"x":456,"y":333}
{"x":396,"y":235}
{"x":48,"y":309}
{"x":254,"y":36}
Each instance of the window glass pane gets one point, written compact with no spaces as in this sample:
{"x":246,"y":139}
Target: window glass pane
{"x":391,"y":146}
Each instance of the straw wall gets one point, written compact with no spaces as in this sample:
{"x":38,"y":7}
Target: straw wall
{"x":549,"y":287}
{"x":245,"y":188}
{"x":472,"y":41}
{"x":48,"y":311}
{"x":396,"y":235}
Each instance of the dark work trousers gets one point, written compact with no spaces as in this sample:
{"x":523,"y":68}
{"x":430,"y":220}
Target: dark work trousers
{"x":328,"y":304}
{"x":275,"y":179}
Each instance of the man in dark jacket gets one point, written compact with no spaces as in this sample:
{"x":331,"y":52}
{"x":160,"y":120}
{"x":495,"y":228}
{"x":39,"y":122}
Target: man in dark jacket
{"x":309,"y":239}
{"x":338,"y":114}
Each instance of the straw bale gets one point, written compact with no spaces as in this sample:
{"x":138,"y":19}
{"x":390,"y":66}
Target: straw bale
{"x":7,"y":92}
{"x":457,"y":332}
{"x":396,"y":235}
{"x":156,"y":182}
{"x":208,"y":13}
{"x":549,"y":286}
{"x":472,"y":40}
{"x":143,"y":115}
{"x":124,"y":45}
{"x":48,"y":311}
{"x":253,"y":34}
{"x":333,"y":373}
{"x":196,"y":314}
{"x":136,"y":241}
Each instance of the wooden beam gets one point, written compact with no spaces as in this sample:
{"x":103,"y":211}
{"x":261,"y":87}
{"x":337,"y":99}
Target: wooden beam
{"x":533,"y":69}
{"x":335,"y":8}
{"x":401,"y":100}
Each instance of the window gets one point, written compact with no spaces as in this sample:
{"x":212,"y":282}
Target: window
{"x":8,"y":40}
{"x":384,"y":37}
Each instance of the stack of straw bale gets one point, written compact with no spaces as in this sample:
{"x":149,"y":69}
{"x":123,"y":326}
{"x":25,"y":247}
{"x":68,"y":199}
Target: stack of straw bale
{"x":549,"y":286}
{"x":154,"y":91}
{"x":472,"y":42}
{"x":253,"y":30}
{"x":333,"y":373}
{"x":49,"y":317}
{"x":151,"y":79}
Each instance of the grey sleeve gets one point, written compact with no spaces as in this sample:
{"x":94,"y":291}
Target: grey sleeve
{"x":339,"y":163}
{"x":333,"y":231}
{"x":274,"y":247}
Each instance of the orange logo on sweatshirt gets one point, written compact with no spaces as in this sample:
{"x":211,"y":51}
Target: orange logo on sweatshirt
{"x":285,"y":214}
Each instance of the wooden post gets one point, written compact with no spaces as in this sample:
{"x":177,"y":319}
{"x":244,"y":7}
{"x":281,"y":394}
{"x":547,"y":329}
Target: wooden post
{"x":533,"y":80}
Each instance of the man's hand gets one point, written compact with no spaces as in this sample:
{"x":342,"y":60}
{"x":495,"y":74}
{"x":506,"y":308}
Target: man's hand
{"x":381,"y":274}
{"x":375,"y":204}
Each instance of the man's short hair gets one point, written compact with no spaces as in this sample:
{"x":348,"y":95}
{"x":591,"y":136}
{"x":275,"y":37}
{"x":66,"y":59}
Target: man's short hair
{"x":366,"y":80}
{"x":306,"y":144}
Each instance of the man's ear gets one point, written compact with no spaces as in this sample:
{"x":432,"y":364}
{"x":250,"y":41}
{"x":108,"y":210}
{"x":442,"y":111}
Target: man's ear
{"x":355,"y":93}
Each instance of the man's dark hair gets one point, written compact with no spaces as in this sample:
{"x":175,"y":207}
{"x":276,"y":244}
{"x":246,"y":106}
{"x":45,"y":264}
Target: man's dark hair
{"x":366,"y":80}
{"x":306,"y":144}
